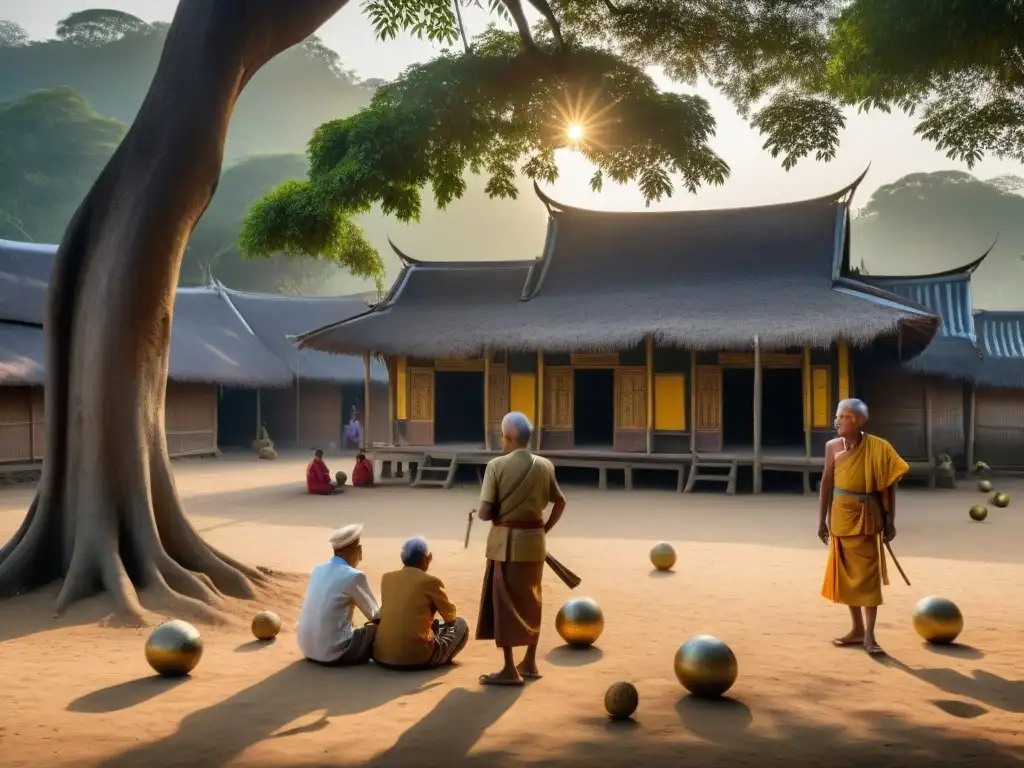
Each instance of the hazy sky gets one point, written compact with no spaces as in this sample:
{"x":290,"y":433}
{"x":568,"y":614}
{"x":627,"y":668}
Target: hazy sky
{"x":887,"y":142}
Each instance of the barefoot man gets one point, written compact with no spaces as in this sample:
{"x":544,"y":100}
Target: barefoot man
{"x":517,"y":489}
{"x":856,"y":516}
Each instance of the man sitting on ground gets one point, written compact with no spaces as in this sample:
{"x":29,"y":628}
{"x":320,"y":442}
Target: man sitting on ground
{"x":408,"y":637}
{"x":362,"y":473}
{"x":336,"y":588}
{"x":318,"y":477}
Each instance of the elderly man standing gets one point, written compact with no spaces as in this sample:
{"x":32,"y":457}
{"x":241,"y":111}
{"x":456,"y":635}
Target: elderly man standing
{"x":408,"y":637}
{"x":856,"y":516}
{"x":336,"y":588}
{"x":517,"y":489}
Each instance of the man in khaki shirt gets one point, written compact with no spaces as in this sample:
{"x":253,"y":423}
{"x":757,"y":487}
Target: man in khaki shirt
{"x":517,"y":488}
{"x":407,"y":636}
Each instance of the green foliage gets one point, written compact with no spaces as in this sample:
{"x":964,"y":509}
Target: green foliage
{"x":957,"y":64}
{"x":12,"y":35}
{"x":497,"y":111}
{"x":52,"y":147}
{"x":98,"y":26}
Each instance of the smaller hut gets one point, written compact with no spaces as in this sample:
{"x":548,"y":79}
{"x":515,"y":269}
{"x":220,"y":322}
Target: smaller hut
{"x":997,"y":404}
{"x":325,"y":389}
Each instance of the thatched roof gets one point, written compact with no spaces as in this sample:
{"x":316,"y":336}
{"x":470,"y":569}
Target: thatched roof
{"x":22,"y":355}
{"x":696,"y":279}
{"x":954,"y":352}
{"x":24,"y":273}
{"x":275,"y":318}
{"x":1001,"y":337}
{"x":209,"y":341}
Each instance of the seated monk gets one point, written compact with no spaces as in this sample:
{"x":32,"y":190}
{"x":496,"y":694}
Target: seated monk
{"x":408,"y":637}
{"x":318,"y":477}
{"x":362,"y":474}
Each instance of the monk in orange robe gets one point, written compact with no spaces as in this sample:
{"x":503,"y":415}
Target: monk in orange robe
{"x":856,"y":516}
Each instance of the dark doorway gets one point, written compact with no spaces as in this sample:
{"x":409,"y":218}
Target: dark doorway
{"x":782,"y":413}
{"x":738,"y":408}
{"x":782,"y":409}
{"x":593,"y":410}
{"x":459,"y":407}
{"x":351,"y":396}
{"x":236,"y":417}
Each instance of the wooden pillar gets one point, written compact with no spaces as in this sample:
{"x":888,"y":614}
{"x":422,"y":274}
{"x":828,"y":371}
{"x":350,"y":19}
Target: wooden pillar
{"x":366,"y":401}
{"x":928,"y":422}
{"x":649,"y":350}
{"x":259,"y":415}
{"x":843,"y":354}
{"x":972,"y":412}
{"x":487,"y":400}
{"x":758,"y":394}
{"x":692,"y":421}
{"x":392,"y":394}
{"x":538,"y":427}
{"x":806,"y":366}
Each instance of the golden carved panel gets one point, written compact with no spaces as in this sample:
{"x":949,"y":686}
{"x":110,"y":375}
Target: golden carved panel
{"x":708,"y":382}
{"x":558,"y":398}
{"x":631,"y":398}
{"x":421,"y":394}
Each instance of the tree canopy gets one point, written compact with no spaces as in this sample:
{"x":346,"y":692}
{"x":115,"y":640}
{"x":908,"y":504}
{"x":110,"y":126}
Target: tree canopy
{"x":99,"y":26}
{"x":52,"y":147}
{"x":12,"y":35}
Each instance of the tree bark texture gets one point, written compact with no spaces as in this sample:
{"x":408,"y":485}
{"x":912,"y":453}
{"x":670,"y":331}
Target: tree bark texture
{"x":107,"y":516}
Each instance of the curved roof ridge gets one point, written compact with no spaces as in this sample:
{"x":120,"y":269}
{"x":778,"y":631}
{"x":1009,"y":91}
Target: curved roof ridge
{"x":554,"y":206}
{"x":456,"y":263}
{"x":965,"y":270}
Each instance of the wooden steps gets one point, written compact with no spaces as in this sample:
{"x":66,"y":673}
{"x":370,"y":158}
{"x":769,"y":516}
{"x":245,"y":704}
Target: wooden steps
{"x":709,"y":470}
{"x":436,"y":471}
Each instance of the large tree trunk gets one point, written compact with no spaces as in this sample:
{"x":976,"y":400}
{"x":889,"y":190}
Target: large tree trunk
{"x":107,"y":516}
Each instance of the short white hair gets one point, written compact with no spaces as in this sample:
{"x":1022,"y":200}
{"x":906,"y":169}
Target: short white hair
{"x":414,"y":550}
{"x":518,"y":426}
{"x":854,"y":406}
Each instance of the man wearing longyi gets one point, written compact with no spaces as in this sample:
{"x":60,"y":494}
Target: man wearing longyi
{"x":856,"y":518}
{"x":517,"y":489}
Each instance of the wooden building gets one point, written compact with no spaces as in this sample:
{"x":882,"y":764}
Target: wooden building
{"x":314,"y":409}
{"x":996,"y":407}
{"x":214,"y":359}
{"x":694,"y":340}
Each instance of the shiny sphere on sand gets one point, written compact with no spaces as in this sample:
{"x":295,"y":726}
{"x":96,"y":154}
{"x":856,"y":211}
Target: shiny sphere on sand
{"x":985,"y":486}
{"x":706,"y":666}
{"x":978,"y":512}
{"x":266,"y":625}
{"x":938,"y":620}
{"x":1001,"y":500}
{"x":621,"y":700}
{"x":580,"y":622}
{"x":174,"y":648}
{"x":663,"y":556}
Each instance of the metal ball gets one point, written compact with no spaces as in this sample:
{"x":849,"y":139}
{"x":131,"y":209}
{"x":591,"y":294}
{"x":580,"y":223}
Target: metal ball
{"x":978,"y":512}
{"x":266,"y":625}
{"x":580,"y":622}
{"x":1001,"y":500}
{"x":938,"y":620}
{"x":706,"y":666}
{"x":663,"y":556}
{"x":174,"y":648}
{"x":621,"y":700}
{"x":985,"y":486}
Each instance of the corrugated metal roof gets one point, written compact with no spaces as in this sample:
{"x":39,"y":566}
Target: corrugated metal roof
{"x":1002,"y":334}
{"x":949,"y":297}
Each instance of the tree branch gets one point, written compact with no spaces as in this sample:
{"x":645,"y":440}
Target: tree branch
{"x":613,"y":9}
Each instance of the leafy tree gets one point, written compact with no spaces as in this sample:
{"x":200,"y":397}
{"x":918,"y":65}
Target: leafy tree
{"x":106,"y":515}
{"x":99,"y":26}
{"x":961,"y":65}
{"x":12,"y":35}
{"x":53,"y":145}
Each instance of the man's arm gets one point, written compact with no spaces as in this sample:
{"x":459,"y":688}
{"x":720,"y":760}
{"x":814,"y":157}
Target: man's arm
{"x":556,"y":495}
{"x":827,"y":484}
{"x":889,"y":515}
{"x":488,"y":494}
{"x":361,"y":594}
{"x":439,"y":597}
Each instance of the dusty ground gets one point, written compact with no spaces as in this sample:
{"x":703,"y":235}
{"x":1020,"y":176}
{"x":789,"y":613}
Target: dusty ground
{"x":749,"y":571}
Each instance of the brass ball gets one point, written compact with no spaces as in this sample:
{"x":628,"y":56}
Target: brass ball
{"x":580,"y":622}
{"x":706,"y":666}
{"x":621,"y":700}
{"x":663,"y":556}
{"x":266,"y":625}
{"x":1001,"y":500}
{"x":978,"y":512}
{"x":985,"y":486}
{"x":174,"y":648}
{"x":938,"y":620}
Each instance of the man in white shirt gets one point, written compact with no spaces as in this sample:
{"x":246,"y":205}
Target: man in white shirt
{"x":325,"y":631}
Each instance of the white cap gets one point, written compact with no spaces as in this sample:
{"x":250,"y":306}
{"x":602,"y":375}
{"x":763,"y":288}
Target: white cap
{"x":346,"y":536}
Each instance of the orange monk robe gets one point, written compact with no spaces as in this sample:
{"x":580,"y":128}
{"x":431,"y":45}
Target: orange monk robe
{"x":855,"y":571}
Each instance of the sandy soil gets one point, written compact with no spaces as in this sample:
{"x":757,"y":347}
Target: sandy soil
{"x":749,"y":571}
